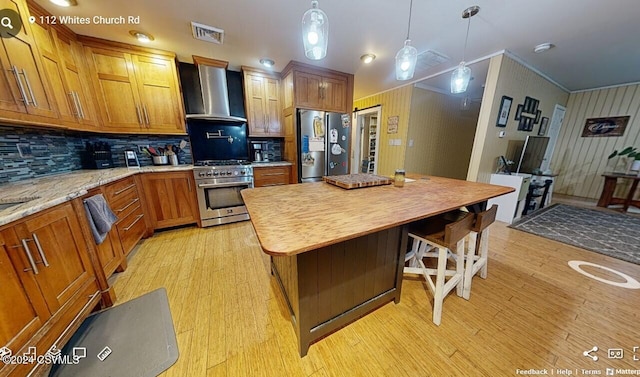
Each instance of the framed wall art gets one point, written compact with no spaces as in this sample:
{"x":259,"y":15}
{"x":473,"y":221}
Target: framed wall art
{"x":543,"y":126}
{"x":503,"y":113}
{"x":611,"y":126}
{"x":392,"y":124}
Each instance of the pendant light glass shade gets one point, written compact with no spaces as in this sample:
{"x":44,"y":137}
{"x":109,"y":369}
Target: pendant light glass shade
{"x":462,"y":75}
{"x":315,"y":32}
{"x":460,"y":79}
{"x":406,"y":61}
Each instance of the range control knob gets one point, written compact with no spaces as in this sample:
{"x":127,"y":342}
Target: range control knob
{"x":209,"y":174}
{"x":201,"y":174}
{"x":215,"y":173}
{"x":243,"y":172}
{"x":236,"y":173}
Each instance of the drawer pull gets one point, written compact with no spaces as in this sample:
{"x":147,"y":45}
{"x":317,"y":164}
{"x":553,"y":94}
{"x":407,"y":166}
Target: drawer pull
{"x":124,"y":189}
{"x":271,"y":174}
{"x":40,"y":250}
{"x":133,"y":223}
{"x":274,"y":184}
{"x":30,"y":257}
{"x":134,"y":201}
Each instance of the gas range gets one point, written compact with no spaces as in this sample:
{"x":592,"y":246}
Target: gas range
{"x":218,"y":189}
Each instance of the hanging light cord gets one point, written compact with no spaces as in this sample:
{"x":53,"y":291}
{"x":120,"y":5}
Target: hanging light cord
{"x":409,"y":27}
{"x":464,"y":52}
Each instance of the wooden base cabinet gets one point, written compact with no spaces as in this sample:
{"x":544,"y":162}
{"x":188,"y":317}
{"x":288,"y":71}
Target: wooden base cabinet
{"x":49,"y":285}
{"x":171,"y":198}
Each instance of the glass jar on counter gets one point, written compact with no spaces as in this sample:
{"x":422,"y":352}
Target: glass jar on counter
{"x":398,"y":178}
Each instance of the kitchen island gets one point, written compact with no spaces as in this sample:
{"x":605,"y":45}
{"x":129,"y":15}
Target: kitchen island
{"x":338,"y":254}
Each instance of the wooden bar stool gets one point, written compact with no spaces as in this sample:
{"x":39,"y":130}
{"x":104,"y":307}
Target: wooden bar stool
{"x":478,"y":248}
{"x":448,"y":238}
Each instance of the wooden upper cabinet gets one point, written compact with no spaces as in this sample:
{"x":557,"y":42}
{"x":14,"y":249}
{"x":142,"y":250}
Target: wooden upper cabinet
{"x":308,"y":89}
{"x":159,"y":93}
{"x":66,"y":73}
{"x":317,"y":88}
{"x":116,"y":89}
{"x":136,"y":92}
{"x":24,"y":87}
{"x":79,"y":91}
{"x":262,"y":102}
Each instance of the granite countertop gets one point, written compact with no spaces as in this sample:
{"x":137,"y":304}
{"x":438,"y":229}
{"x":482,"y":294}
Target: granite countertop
{"x":41,"y":193}
{"x":326,"y":214}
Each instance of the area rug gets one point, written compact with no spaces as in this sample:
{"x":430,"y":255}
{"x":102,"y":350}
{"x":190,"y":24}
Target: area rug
{"x":135,"y":338}
{"x":612,"y":234}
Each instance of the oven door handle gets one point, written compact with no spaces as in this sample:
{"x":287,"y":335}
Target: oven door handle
{"x":227,"y":184}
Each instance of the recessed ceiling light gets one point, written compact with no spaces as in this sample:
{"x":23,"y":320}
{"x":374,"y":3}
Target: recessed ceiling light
{"x":267,"y":62}
{"x":64,"y":3}
{"x":367,"y":58}
{"x":141,"y":37}
{"x":542,"y":47}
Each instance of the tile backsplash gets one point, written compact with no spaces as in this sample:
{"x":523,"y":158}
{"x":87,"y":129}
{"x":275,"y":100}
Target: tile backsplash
{"x":48,"y":152}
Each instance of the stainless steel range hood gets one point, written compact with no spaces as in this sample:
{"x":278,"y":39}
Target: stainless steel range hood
{"x":215,"y":95}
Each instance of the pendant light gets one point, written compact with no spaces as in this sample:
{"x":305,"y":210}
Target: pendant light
{"x":315,"y":32}
{"x":461,"y":76}
{"x":407,"y":56}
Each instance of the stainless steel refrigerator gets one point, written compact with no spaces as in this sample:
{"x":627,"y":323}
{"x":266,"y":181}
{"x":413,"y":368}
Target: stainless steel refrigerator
{"x":323,"y":144}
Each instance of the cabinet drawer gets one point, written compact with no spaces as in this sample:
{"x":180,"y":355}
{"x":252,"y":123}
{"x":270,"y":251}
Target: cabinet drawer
{"x":125,"y":203}
{"x":131,"y":229}
{"x":275,"y":171}
{"x":119,"y":189}
{"x":271,"y":181}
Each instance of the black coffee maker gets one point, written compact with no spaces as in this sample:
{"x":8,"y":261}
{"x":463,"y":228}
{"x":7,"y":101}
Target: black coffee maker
{"x":259,"y":151}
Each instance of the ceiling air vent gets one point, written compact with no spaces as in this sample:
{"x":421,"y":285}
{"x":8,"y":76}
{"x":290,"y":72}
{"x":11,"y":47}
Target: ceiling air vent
{"x":207,"y":33}
{"x":429,"y":59}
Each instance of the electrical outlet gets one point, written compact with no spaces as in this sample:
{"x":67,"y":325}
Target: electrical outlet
{"x":142,"y":147}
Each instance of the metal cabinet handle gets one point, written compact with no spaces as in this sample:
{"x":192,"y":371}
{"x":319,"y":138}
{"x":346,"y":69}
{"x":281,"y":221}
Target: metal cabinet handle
{"x":124,"y":189}
{"x":270,"y":174}
{"x":133,"y":223}
{"x":218,"y":185}
{"x":26,"y":79}
{"x":274,"y":184}
{"x":189,"y":184}
{"x":138,"y":114}
{"x":23,"y":93}
{"x":146,"y":114}
{"x":75,"y":105}
{"x":40,"y":250}
{"x":134,"y":201}
{"x":30,"y":257}
{"x":80,"y":108}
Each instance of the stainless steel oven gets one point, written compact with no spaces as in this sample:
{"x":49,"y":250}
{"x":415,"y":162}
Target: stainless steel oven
{"x":218,"y":189}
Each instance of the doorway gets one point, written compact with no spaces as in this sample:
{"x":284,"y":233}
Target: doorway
{"x":366,"y":140}
{"x":554,"y":131}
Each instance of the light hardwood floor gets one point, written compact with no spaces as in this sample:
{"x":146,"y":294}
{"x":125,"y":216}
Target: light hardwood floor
{"x":533,"y":311}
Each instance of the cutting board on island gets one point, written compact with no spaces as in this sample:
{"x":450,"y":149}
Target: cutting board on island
{"x":352,"y":181}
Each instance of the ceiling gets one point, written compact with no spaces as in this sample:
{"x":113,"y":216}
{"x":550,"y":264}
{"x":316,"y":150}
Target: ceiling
{"x":596,"y":41}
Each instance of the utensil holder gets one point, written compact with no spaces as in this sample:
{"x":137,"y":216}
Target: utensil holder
{"x":160,"y":160}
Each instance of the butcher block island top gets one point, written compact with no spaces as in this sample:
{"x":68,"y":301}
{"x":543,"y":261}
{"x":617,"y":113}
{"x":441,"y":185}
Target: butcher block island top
{"x":352,"y":181}
{"x":293,"y":219}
